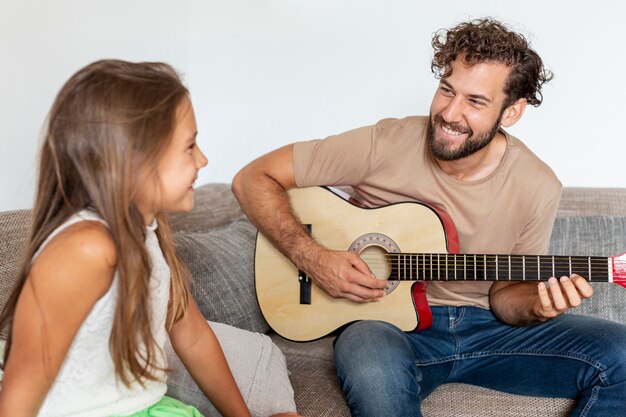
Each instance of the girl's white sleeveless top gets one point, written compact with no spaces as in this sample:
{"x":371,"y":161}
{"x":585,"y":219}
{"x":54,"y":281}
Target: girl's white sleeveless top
{"x":86,"y":385}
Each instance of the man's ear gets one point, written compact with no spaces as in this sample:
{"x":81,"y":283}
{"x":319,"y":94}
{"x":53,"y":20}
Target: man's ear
{"x":513,"y":113}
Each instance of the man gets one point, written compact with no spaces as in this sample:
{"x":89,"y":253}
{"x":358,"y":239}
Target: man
{"x":507,"y":336}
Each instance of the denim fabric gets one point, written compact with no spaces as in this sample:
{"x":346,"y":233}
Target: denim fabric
{"x":387,"y":372}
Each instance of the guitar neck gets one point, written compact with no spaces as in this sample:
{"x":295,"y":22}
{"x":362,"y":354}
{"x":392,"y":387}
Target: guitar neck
{"x":455,"y":267}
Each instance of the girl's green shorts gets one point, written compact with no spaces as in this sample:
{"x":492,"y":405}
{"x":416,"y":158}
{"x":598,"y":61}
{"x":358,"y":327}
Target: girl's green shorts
{"x":168,"y":407}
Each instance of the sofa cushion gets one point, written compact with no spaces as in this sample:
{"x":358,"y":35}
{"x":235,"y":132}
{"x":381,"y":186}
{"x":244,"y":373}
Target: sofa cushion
{"x":592,"y":201}
{"x":580,"y":236}
{"x":221,"y":262}
{"x":14,"y":233}
{"x":214,"y":205}
{"x":594,"y":236}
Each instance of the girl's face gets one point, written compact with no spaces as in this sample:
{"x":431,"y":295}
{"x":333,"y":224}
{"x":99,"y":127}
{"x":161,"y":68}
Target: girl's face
{"x":177,"y":169}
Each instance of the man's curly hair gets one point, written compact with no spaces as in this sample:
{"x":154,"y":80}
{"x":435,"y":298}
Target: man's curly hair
{"x":487,"y":40}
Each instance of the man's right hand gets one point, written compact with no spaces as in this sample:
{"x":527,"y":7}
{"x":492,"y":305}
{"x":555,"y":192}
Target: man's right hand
{"x":344,"y":275}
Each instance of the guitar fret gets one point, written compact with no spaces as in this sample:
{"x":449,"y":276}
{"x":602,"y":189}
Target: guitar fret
{"x":538,"y":268}
{"x":464,"y":268}
{"x":475,"y":269}
{"x":569,"y":261}
{"x":438,"y":267}
{"x":454,"y":256}
{"x":485,"y":266}
{"x":553,"y":269}
{"x":398,"y":266}
{"x":509,"y":267}
{"x":398,"y":269}
{"x":497,"y":268}
{"x":405,"y":265}
{"x":417,"y":267}
{"x":395,"y":262}
{"x":524,"y":267}
{"x":589,"y":264}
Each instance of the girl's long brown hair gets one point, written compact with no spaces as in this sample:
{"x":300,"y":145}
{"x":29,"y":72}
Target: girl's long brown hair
{"x":111,"y":120}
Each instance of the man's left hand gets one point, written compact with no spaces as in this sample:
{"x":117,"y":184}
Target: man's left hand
{"x":561,"y":295}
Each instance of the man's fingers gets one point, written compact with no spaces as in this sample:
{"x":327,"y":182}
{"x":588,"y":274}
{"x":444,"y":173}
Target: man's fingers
{"x":544,"y":297}
{"x":562,"y":294}
{"x":364,"y":286}
{"x":571,"y":292}
{"x":359,"y":264}
{"x":362,"y":275}
{"x":346,"y":275}
{"x":584,"y":288}
{"x":362,"y":295}
{"x":355,"y":298}
{"x":367,"y":279}
{"x":557,"y":295}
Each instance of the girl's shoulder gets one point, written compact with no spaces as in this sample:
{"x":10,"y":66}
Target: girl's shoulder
{"x":80,"y":256}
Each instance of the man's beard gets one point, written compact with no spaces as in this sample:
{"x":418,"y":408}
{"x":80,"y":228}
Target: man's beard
{"x":470,"y":146}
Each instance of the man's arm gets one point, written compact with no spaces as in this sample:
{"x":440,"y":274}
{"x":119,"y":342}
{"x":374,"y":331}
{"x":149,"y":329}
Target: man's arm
{"x":261,"y":188}
{"x":522,"y":304}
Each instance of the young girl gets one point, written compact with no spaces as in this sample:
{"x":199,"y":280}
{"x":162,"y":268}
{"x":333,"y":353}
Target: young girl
{"x":103,"y":288}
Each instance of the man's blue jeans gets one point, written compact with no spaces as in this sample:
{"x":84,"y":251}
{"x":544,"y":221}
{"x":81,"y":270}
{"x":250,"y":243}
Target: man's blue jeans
{"x":386,"y":372}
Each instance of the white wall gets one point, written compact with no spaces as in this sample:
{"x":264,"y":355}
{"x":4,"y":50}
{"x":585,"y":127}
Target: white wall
{"x":264,"y":73}
{"x":43,"y":43}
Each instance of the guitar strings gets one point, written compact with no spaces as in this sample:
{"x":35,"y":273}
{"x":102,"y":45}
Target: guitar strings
{"x":486,"y":263}
{"x":442,"y":259}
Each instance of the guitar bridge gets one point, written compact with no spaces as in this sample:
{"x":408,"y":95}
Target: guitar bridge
{"x":305,"y":288}
{"x":305,"y":282}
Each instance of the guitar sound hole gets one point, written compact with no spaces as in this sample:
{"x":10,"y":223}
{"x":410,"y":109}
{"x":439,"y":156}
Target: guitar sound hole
{"x":374,"y":249}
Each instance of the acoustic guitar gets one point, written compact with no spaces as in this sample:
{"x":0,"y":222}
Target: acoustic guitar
{"x":409,"y":244}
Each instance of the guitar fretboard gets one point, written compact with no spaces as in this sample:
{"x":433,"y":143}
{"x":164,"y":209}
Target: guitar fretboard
{"x":453,"y":267}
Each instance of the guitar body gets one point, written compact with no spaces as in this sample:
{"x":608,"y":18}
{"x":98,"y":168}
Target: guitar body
{"x":337,"y":224}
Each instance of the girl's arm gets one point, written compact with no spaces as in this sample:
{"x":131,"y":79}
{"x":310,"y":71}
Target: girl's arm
{"x":196,"y":345}
{"x":73,"y":271}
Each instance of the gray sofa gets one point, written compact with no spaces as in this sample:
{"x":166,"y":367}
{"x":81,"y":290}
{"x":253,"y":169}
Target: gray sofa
{"x":217,"y":243}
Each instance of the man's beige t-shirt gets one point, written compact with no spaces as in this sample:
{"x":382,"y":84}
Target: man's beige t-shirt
{"x":509,"y":212}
